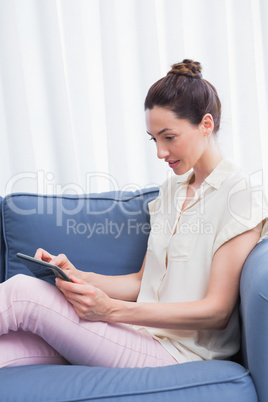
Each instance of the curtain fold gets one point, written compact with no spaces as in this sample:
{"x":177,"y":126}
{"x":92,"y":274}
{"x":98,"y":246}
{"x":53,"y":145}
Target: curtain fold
{"x":74,"y":75}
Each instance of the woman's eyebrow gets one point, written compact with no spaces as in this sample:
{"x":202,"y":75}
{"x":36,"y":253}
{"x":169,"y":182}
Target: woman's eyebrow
{"x":160,"y":132}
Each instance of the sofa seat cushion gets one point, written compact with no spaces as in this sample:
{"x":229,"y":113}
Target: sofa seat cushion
{"x":208,"y":381}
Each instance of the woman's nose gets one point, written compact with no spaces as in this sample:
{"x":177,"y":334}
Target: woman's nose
{"x":162,"y":152}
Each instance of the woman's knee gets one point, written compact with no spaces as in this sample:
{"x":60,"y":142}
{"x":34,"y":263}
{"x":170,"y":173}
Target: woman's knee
{"x":19,"y":280}
{"x":27,"y":286}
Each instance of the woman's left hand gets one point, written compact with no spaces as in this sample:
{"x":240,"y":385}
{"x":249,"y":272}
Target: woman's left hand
{"x":89,"y":302}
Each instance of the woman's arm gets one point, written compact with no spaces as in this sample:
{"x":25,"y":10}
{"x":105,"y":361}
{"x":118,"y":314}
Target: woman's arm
{"x":212,"y":312}
{"x":122,"y":287}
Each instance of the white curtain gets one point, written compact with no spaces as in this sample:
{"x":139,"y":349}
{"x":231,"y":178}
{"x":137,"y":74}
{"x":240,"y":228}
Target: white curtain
{"x":74,"y":75}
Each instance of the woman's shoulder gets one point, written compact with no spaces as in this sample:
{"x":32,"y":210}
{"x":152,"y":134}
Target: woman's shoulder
{"x":236,"y":171}
{"x":238,"y":179}
{"x":227,"y":174}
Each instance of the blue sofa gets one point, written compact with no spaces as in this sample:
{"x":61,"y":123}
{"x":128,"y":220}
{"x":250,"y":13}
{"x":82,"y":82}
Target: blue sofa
{"x":107,"y":233}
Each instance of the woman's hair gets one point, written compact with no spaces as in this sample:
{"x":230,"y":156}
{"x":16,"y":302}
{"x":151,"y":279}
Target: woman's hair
{"x":186,"y":93}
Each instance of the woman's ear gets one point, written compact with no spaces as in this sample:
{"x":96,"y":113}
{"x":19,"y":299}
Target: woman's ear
{"x":207,"y":124}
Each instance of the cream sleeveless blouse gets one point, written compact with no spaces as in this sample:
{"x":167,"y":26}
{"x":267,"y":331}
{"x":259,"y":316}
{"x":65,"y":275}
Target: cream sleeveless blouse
{"x":181,"y":246}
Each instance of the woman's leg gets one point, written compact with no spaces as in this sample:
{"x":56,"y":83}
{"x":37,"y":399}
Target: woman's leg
{"x":33,"y":305}
{"x":23,"y":348}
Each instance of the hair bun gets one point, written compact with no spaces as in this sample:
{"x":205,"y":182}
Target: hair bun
{"x":188,"y":67}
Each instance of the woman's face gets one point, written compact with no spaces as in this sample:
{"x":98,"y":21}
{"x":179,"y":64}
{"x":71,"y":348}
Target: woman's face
{"x":178,"y":142}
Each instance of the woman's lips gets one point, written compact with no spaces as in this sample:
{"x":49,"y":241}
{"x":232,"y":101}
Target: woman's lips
{"x":173,"y":164}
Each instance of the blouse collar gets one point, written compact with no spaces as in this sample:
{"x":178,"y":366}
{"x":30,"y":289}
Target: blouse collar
{"x":215,"y":178}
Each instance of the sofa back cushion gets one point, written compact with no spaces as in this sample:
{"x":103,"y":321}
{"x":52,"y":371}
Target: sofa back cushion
{"x":105,"y":233}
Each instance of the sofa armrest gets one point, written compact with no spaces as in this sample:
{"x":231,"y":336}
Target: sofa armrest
{"x":2,"y":246}
{"x":254,"y":314}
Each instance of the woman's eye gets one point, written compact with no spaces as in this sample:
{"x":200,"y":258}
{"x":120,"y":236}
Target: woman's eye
{"x":170,"y":138}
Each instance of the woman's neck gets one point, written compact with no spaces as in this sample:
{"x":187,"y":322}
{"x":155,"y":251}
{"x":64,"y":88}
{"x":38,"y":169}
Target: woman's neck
{"x":206,"y":164}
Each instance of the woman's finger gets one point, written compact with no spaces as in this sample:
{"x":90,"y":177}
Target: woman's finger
{"x":43,"y":255}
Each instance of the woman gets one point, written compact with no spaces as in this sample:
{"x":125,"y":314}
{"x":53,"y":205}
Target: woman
{"x":205,"y":222}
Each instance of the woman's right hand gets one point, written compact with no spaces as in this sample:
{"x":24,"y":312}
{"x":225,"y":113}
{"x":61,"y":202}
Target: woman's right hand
{"x":60,"y":260}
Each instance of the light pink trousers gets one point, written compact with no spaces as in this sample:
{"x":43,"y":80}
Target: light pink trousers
{"x":39,"y":326}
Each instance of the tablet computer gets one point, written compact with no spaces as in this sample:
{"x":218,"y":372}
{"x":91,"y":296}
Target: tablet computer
{"x":28,"y":261}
